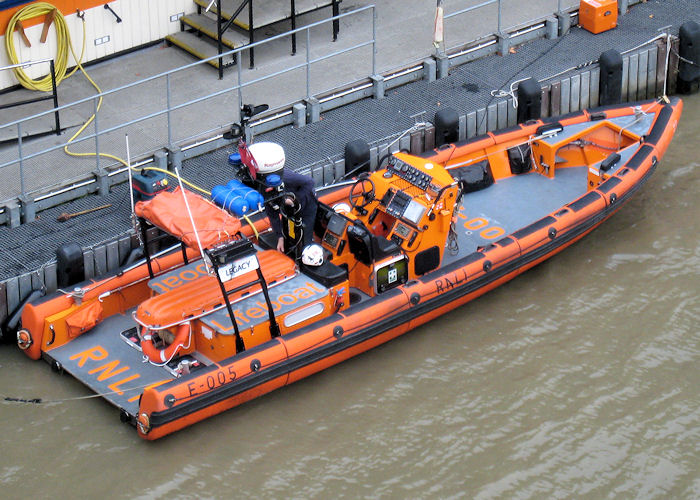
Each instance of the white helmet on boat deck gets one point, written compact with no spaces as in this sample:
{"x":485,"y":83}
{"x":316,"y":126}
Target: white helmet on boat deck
{"x":312,"y":255}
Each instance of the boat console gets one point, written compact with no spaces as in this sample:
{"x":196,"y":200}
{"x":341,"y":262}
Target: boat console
{"x":412,"y":204}
{"x":397,"y":227}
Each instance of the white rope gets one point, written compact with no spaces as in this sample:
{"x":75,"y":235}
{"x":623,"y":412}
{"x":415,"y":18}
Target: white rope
{"x":511,"y":92}
{"x":668,"y":58}
{"x":573,"y":68}
{"x":687,"y":61}
{"x":8,"y":399}
{"x":189,"y":212}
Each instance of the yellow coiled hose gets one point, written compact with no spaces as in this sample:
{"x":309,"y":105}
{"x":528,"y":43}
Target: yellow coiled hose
{"x":63,"y":41}
{"x":64,"y":44}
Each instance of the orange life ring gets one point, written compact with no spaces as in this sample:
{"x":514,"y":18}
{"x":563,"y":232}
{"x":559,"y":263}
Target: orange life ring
{"x":167,"y":353}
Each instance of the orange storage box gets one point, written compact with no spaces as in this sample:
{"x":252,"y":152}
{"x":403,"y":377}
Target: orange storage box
{"x":597,"y":16}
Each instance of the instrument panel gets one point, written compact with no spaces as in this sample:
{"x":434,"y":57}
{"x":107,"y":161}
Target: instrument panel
{"x":410,"y":174}
{"x":334,"y":230}
{"x":336,"y":224}
{"x":403,"y":206}
{"x":395,"y":202}
{"x":402,"y":230}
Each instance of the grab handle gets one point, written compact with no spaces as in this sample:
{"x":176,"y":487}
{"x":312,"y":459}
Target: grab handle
{"x":119,"y":19}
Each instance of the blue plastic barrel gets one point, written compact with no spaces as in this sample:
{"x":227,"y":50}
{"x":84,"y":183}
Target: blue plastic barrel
{"x":217,"y":192}
{"x":234,"y":184}
{"x":251,"y":196}
{"x":229,"y":199}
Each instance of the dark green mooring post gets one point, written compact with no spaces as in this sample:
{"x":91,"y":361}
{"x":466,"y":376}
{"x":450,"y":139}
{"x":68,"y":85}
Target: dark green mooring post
{"x":610,"y":88}
{"x":689,"y":64}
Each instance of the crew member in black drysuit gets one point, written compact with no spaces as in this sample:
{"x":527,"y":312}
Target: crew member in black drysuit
{"x":302,"y":187}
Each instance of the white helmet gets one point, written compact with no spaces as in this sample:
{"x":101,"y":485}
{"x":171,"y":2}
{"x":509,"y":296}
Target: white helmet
{"x":312,"y":255}
{"x":342,"y":208}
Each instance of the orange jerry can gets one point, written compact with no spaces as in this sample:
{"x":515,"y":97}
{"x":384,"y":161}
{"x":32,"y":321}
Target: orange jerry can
{"x":597,"y":16}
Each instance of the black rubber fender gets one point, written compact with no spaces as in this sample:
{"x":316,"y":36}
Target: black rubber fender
{"x":446,"y":123}
{"x":356,"y":157}
{"x":9,"y":328}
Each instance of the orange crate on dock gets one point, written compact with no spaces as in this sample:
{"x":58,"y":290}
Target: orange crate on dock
{"x":597,"y":16}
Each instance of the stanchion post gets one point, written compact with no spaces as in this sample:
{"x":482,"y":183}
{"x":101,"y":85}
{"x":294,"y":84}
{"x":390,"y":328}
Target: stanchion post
{"x":167,"y":92}
{"x":294,"y":27}
{"x":374,"y":40}
{"x":55,"y":96}
{"x":308,"y":64}
{"x":499,"y":17}
{"x":21,"y":160}
{"x":97,"y":137}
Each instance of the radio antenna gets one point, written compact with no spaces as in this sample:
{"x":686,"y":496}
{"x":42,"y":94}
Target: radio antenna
{"x":131,"y":185}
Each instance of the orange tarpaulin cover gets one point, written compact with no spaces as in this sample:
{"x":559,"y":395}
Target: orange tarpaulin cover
{"x":168,"y":211}
{"x":84,"y":318}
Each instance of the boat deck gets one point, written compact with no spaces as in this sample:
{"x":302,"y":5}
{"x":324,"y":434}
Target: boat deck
{"x":515,"y":202}
{"x":510,"y":204}
{"x":109,"y":361}
{"x":111,"y":366}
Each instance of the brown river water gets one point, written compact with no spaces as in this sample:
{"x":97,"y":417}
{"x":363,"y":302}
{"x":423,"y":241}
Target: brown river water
{"x":578,"y":379}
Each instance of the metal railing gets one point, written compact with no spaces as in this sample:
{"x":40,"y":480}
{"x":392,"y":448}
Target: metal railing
{"x":103,"y":130}
{"x":564,"y":8}
{"x":168,"y":111}
{"x":53,"y":96}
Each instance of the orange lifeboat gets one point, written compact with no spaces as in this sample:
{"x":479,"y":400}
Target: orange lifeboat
{"x":401,"y":245}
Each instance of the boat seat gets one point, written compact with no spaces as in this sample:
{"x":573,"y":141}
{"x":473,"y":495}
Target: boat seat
{"x":382,"y":247}
{"x":368,"y":247}
{"x":268,"y":240}
{"x":328,"y":274}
